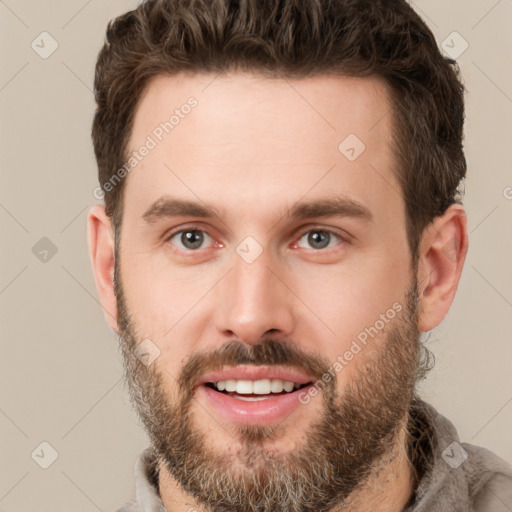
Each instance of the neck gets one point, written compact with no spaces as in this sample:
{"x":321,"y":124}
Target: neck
{"x":388,"y":489}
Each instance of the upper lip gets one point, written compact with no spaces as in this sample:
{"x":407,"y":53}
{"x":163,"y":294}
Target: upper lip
{"x":256,"y":373}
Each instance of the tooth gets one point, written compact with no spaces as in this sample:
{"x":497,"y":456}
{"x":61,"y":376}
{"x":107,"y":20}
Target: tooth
{"x":258,"y":387}
{"x":288,"y":386}
{"x":230,"y":385}
{"x":253,"y":398}
{"x":244,"y":386}
{"x":261,"y":387}
{"x":276,"y":386}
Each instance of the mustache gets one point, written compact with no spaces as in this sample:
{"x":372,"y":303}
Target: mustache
{"x":269,"y":352}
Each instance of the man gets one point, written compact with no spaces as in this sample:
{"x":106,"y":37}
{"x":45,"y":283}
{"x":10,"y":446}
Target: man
{"x":281,"y":223}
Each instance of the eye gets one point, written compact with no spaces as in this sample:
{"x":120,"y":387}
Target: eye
{"x":189,"y":239}
{"x":320,"y":239}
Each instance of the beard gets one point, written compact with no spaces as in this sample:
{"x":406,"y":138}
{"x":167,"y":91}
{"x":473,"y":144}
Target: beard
{"x":354,"y":438}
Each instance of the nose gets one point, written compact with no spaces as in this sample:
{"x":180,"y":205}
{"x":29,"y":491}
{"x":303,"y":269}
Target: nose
{"x":254,"y":300}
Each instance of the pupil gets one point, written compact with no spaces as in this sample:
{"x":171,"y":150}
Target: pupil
{"x":319,"y":239}
{"x":192,"y":239}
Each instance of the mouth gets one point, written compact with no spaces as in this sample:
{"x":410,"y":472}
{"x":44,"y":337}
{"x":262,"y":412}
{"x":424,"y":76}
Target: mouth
{"x":257,"y":390}
{"x":254,"y":395}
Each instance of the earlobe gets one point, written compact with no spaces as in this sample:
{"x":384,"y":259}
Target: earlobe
{"x":102,"y":253}
{"x":443,"y":251}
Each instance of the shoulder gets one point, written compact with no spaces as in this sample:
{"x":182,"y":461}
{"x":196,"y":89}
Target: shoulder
{"x":489,"y":479}
{"x":131,"y":506}
{"x":146,"y":485}
{"x":458,"y":476}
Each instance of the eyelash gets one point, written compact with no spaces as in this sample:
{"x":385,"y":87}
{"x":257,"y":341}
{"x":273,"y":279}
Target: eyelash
{"x":341,"y":239}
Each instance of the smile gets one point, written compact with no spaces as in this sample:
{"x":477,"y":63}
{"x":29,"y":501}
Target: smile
{"x":260,"y":402}
{"x":256,"y":390}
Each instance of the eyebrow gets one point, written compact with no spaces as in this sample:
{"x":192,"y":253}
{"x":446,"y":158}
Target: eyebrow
{"x":340,"y":206}
{"x":169,"y":207}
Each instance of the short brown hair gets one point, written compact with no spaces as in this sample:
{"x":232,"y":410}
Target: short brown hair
{"x":293,"y":39}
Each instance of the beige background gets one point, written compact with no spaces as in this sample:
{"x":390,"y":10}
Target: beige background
{"x":60,"y":369}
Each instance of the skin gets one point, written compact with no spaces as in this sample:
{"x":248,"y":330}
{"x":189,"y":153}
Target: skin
{"x":252,"y":148}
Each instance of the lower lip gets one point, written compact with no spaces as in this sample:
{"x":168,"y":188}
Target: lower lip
{"x":262,"y":412}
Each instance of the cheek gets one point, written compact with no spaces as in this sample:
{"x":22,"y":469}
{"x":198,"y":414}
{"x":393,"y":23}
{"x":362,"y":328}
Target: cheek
{"x":352,"y":304}
{"x":167,"y":305}
{"x":160,"y":295}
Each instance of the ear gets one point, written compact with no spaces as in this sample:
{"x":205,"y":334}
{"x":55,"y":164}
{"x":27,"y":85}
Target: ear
{"x":443,"y":250}
{"x":101,"y":250}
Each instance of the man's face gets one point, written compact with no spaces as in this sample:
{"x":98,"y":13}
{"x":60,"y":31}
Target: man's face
{"x":268,"y":289}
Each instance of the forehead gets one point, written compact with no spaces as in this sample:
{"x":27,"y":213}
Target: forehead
{"x":317,"y":106}
{"x":265,"y":141}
